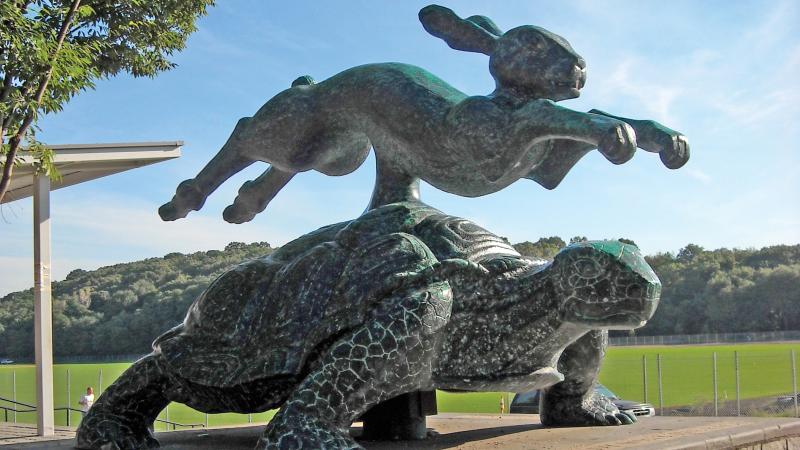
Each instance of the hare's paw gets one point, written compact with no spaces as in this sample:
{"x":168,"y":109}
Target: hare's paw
{"x":674,"y":152}
{"x":671,"y":145}
{"x":594,"y":410}
{"x":290,"y":432}
{"x":618,"y":143}
{"x":105,"y":430}
{"x":187,"y":198}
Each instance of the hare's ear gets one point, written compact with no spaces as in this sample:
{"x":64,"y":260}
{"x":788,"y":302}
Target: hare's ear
{"x":476,"y":34}
{"x":485,"y":23}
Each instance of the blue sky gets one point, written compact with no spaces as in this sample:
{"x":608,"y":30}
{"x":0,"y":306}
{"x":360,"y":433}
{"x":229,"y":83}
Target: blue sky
{"x":723,"y":73}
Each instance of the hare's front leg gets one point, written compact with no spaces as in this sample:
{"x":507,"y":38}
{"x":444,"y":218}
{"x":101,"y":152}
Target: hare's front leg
{"x":672,"y":146}
{"x":542,"y":120}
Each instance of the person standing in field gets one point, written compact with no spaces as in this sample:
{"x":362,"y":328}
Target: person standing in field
{"x":87,"y":400}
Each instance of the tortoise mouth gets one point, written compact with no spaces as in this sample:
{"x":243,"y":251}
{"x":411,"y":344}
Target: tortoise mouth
{"x":619,"y":316}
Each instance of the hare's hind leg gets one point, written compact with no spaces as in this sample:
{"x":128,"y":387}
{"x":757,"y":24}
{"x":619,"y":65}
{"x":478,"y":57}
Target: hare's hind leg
{"x":255,"y":195}
{"x":191,"y":194}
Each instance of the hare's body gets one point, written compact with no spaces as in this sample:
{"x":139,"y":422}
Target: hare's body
{"x":423,"y":128}
{"x":330,"y":127}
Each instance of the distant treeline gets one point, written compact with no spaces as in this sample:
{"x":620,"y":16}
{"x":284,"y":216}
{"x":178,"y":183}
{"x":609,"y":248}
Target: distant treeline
{"x":120,"y":309}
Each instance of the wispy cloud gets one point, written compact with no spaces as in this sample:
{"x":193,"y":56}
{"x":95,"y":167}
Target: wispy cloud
{"x":628,"y":79}
{"x":698,"y":175}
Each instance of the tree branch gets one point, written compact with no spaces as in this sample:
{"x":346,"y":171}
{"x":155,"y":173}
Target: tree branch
{"x":14,"y":142}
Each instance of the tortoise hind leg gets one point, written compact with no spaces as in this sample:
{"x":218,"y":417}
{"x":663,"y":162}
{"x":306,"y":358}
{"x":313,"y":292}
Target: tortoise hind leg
{"x":387,"y":356}
{"x":123,"y":415}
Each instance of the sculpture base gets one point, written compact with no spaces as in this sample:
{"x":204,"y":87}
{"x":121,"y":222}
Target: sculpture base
{"x":512,"y":432}
{"x":400,"y":418}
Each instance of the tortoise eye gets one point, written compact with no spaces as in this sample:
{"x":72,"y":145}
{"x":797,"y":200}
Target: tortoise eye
{"x":587,"y":268}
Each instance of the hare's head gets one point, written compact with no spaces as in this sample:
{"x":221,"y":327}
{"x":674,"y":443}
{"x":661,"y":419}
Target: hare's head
{"x":526,"y":61}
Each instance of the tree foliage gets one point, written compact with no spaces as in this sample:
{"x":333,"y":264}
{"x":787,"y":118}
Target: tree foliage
{"x":50,"y":50}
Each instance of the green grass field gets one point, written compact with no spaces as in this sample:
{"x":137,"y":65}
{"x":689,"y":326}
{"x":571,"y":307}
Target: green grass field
{"x":765,"y":370}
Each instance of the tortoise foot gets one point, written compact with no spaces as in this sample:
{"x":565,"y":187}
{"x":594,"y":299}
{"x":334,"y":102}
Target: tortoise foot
{"x":100,"y":430}
{"x":592,"y":410}
{"x":290,"y":432}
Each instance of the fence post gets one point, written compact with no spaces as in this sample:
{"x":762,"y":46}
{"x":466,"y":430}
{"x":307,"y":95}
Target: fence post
{"x":166,"y":418}
{"x":794,"y":383}
{"x":249,"y":418}
{"x":14,"y":391}
{"x":738,"y":397}
{"x":206,"y":420}
{"x":716,"y":399}
{"x":644,"y":376}
{"x":69,"y":402}
{"x":99,"y":381}
{"x":660,"y":387}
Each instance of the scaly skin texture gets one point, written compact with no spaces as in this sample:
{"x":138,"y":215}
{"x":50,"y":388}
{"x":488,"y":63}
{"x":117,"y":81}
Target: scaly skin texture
{"x":402,"y":299}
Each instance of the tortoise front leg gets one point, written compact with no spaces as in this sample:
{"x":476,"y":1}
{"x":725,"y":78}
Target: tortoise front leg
{"x":573,"y":402}
{"x":123,"y":416}
{"x":388,"y":356}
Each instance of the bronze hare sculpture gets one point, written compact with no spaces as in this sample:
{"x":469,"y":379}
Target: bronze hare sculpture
{"x":421,"y":127}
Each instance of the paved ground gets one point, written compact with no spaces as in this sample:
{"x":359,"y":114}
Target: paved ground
{"x":13,"y":434}
{"x":522,"y":431}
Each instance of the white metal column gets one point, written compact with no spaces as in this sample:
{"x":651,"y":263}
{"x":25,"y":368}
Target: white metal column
{"x":42,"y":307}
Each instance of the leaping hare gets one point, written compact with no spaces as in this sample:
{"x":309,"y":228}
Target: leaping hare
{"x":423,"y":128}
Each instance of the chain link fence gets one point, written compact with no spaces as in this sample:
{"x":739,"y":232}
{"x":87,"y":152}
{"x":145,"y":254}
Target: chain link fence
{"x":709,"y":338}
{"x":719,"y":384}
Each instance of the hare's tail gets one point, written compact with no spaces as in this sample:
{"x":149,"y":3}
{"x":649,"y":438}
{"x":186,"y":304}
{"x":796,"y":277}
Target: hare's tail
{"x":305,"y":80}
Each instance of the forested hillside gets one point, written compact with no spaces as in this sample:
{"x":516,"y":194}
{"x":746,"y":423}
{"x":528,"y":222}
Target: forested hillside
{"x":120,"y":309}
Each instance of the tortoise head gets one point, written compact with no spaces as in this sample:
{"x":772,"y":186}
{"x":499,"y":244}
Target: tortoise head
{"x":605,"y":285}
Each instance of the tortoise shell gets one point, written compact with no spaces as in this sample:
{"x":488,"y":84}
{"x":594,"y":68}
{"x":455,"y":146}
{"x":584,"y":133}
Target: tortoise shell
{"x":268,"y":317}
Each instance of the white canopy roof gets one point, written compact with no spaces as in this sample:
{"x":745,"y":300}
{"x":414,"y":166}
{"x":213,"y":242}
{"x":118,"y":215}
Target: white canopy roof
{"x":82,"y":162}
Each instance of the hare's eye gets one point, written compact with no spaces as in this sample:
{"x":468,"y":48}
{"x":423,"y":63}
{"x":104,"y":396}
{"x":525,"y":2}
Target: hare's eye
{"x":539,"y":41}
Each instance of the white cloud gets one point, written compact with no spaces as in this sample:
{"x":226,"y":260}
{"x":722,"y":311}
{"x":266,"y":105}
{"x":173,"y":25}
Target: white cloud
{"x":121,"y":221}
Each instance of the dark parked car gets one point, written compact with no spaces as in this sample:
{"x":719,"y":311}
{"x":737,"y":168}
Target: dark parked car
{"x":528,"y":403}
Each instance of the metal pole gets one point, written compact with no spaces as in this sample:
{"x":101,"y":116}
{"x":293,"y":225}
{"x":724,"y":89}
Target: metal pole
{"x":166,"y":417}
{"x":207,"y":419}
{"x":738,"y":397}
{"x":644,"y":376}
{"x":14,"y":391}
{"x":716,"y":398}
{"x":99,"y":381}
{"x":42,"y":307}
{"x":249,"y":418}
{"x":794,"y":383}
{"x":69,"y":402}
{"x":660,"y":387}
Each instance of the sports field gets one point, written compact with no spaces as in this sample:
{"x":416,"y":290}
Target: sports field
{"x":687,"y":378}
